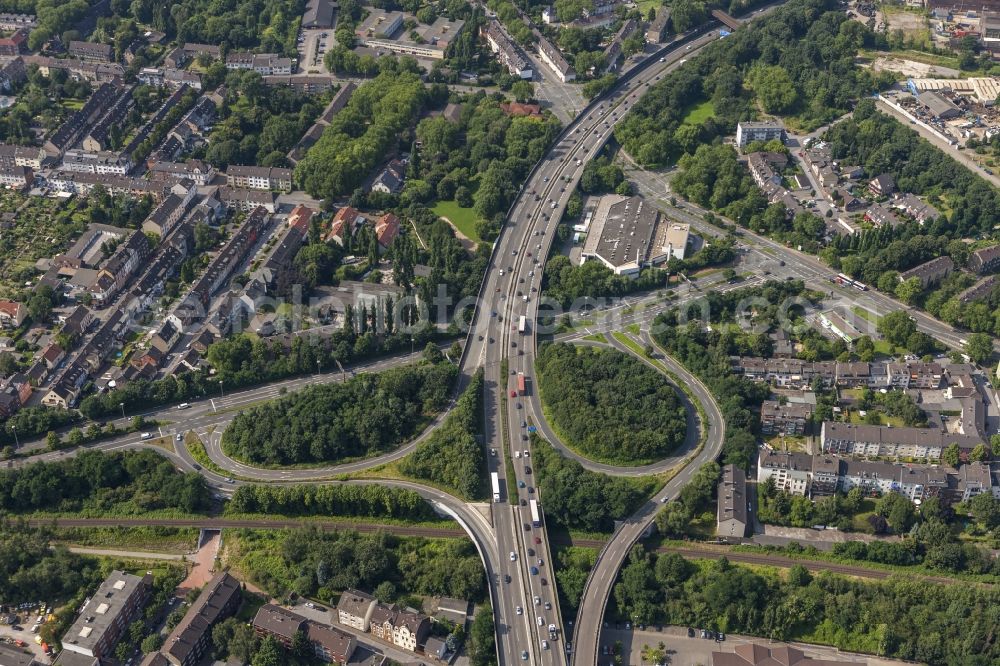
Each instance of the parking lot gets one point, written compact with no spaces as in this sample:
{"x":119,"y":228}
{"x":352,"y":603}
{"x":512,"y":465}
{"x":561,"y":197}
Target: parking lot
{"x":313,"y":48}
{"x":23,"y":636}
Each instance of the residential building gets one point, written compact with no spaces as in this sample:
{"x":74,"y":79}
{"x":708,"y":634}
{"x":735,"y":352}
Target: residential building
{"x":386,"y":230}
{"x":931,"y":272}
{"x":732,"y":503}
{"x":390,"y":179}
{"x":102,"y":162}
{"x":95,"y":72}
{"x":885,"y":442}
{"x":510,"y":55}
{"x":79,"y":122}
{"x":165,"y":217}
{"x":107,"y":614}
{"x":52,"y":355}
{"x":790,"y":418}
{"x":786,"y":372}
{"x":187,"y":643}
{"x":16,"y":177}
{"x":881,"y":216}
{"x":354,"y":609}
{"x":330,"y":645}
{"x":657,"y":30}
{"x":25,"y":156}
{"x":748,"y":131}
{"x":916,"y":208}
{"x":90,"y":51}
{"x":259,"y":178}
{"x":344,"y":224}
{"x":14,"y":44}
{"x":985,"y":260}
{"x":13,"y":22}
{"x":404,"y":628}
{"x":379,"y":24}
{"x":278,"y":623}
{"x":751,"y":654}
{"x":882,"y":185}
{"x":791,"y":471}
{"x":265,"y":64}
{"x":554,"y":59}
{"x":246,"y":200}
{"x":232,"y":255}
{"x":12,"y":314}
{"x":980,"y":291}
{"x":200,"y":172}
{"x":194,"y":50}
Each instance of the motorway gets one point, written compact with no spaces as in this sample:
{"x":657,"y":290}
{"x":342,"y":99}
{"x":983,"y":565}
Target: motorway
{"x":510,"y":291}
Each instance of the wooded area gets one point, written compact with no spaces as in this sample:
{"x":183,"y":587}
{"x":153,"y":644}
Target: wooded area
{"x":900,"y":618}
{"x":323,"y":564}
{"x":452,"y":455}
{"x":109,"y":484}
{"x":31,"y":570}
{"x":367,"y":415}
{"x":608,"y":405}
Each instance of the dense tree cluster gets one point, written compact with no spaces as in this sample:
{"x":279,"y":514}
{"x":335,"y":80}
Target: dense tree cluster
{"x":452,"y":454}
{"x":122,"y":482}
{"x":366,"y":501}
{"x":269,"y":25}
{"x":609,"y":405}
{"x":259,"y":124}
{"x":38,"y":103}
{"x":900,"y":618}
{"x":30,"y":569}
{"x":798,"y":60}
{"x":695,"y":497}
{"x":34,"y":421}
{"x":707,"y":353}
{"x":364,"y":416}
{"x":487,"y":152}
{"x":566,"y":282}
{"x":576,"y":498}
{"x":323,"y":564}
{"x":361,"y":134}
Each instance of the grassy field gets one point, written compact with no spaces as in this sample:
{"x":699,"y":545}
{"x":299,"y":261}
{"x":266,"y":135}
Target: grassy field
{"x":698,"y":113}
{"x":464,"y":219}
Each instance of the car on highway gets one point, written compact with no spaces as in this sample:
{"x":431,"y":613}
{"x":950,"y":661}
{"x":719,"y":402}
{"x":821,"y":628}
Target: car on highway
{"x":526,"y":453}
{"x":521,"y":484}
{"x":540,"y":621}
{"x":146,"y":435}
{"x":545,"y":645}
{"x":519,"y":610}
{"x":524,"y":655}
{"x":538,"y":540}
{"x":517,"y":454}
{"x":533,"y":570}
{"x":179,"y":437}
{"x":513,"y":556}
{"x":538,"y":600}
{"x":184,"y":405}
{"x":548,"y":606}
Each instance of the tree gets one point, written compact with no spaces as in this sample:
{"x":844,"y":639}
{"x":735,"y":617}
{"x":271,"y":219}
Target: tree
{"x":898,"y":510}
{"x":979,"y":454}
{"x":979,"y":347}
{"x":995,"y":445}
{"x":151,"y":643}
{"x":986,"y":509}
{"x":269,"y":653}
{"x":897,"y":327}
{"x":909,"y":290}
{"x":950,"y":455}
{"x":523,"y":91}
{"x":774,"y":88}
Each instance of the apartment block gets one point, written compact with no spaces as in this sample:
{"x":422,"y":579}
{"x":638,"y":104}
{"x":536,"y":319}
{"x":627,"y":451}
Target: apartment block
{"x":789,"y":418}
{"x":106,"y":616}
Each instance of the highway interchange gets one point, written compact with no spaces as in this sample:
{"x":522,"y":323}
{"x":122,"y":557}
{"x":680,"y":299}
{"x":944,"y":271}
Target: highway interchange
{"x":515,"y":553}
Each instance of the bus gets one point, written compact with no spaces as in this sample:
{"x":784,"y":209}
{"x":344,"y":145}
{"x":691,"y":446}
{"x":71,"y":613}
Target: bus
{"x":495,"y":481}
{"x":522,"y":325}
{"x":520,"y":384}
{"x":536,"y":519}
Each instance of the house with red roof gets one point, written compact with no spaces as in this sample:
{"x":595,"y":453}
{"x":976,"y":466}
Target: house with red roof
{"x":386,"y":229}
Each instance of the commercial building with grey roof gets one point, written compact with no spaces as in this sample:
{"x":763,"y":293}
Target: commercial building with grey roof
{"x":623,"y":235}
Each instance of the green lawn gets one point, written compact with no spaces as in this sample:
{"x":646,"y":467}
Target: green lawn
{"x":699,"y":113}
{"x":464,"y":219}
{"x":865,"y":314}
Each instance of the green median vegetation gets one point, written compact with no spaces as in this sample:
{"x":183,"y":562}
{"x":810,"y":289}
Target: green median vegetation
{"x":452,"y":455}
{"x":340,"y":500}
{"x":608,"y":405}
{"x":363,"y":417}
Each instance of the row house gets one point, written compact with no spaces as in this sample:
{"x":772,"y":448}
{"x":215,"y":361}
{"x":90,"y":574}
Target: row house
{"x":510,"y":55}
{"x":12,"y":72}
{"x":313,"y":134}
{"x":72,"y":182}
{"x":232,"y":255}
{"x":556,"y":61}
{"x":886,"y":442}
{"x":23,"y":156}
{"x":80,"y":121}
{"x":931,"y":272}
{"x":980,"y":291}
{"x":15,"y":392}
{"x":916,"y":208}
{"x":158,"y":116}
{"x":985,"y":260}
{"x":201,"y":173}
{"x":91,"y":51}
{"x":259,"y":178}
{"x":329,"y":644}
{"x":95,"y":72}
{"x":785,"y":372}
{"x":245,"y":200}
{"x":10,"y":22}
{"x":790,"y":418}
{"x":16,"y":177}
{"x":14,"y":44}
{"x":265,"y":64}
{"x":101,"y":162}
{"x":65,"y":389}
{"x":190,"y":639}
{"x":168,"y":214}
{"x":880,"y":216}
{"x":98,"y":138}
{"x":403,"y":628}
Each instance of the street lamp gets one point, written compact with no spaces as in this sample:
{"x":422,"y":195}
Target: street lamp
{"x":17,"y":444}
{"x":317,"y":367}
{"x":222,"y":393}
{"x":122,"y":405}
